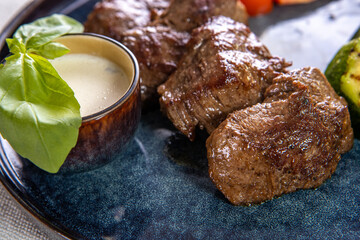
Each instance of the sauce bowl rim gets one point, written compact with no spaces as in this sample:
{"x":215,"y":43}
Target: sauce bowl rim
{"x":134,"y":81}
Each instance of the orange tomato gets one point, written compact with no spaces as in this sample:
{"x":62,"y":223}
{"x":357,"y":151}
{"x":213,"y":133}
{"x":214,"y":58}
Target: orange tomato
{"x":257,"y":7}
{"x":285,"y":2}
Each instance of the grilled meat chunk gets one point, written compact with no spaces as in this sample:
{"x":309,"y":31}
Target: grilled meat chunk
{"x":113,"y":17}
{"x":158,"y":50}
{"x":185,"y":15}
{"x":157,"y":30}
{"x":225,"y":68}
{"x":291,"y":141}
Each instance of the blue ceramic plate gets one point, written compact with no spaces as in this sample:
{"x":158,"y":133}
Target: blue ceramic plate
{"x":159,"y":187}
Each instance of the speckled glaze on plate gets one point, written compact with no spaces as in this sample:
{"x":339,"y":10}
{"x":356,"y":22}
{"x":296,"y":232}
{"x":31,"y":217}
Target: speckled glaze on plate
{"x":159,"y":187}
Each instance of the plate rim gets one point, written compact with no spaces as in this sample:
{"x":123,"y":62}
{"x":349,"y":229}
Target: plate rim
{"x":7,"y":174}
{"x":13,"y":186}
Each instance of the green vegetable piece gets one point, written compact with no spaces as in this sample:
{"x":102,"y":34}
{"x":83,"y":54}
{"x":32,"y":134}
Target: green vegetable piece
{"x":350,"y":80}
{"x":357,"y":34}
{"x":343,"y":73}
{"x":39,"y":114}
{"x":338,"y":66}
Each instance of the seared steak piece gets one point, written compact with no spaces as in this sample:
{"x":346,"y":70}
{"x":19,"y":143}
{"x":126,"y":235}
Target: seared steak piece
{"x":158,"y":50}
{"x":157,"y":30}
{"x":225,"y":68}
{"x":291,"y":141}
{"x":185,"y":15}
{"x":113,"y":17}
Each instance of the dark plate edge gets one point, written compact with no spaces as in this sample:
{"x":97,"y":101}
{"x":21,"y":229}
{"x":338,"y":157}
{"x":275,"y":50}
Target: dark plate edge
{"x":12,"y":185}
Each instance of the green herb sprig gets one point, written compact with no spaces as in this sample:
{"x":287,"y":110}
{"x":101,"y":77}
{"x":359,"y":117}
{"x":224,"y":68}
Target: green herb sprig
{"x":39,"y":114}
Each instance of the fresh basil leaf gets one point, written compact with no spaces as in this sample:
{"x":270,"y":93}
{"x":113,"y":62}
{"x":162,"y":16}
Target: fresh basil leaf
{"x":51,"y":50}
{"x":45,"y":30}
{"x":39,"y":114}
{"x":15,"y":46}
{"x":42,"y":37}
{"x":60,"y":20}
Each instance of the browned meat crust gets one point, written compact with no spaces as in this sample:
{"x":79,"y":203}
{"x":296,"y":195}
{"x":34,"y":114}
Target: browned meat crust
{"x":158,"y":50}
{"x":157,"y":30}
{"x":114,"y":17}
{"x":225,"y":68}
{"x":185,"y":15}
{"x":291,"y":141}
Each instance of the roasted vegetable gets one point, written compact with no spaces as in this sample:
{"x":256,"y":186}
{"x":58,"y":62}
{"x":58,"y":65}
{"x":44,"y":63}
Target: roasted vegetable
{"x":343,"y":73}
{"x":288,"y":2}
{"x":258,"y":7}
{"x":357,"y":34}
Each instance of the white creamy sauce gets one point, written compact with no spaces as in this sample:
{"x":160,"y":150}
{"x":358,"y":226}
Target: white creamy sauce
{"x":97,"y":82}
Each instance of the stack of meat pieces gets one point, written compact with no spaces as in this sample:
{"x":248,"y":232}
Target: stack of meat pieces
{"x":156,"y":31}
{"x":271,"y":131}
{"x":289,"y":130}
{"x":225,"y":68}
{"x":292,"y":140}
